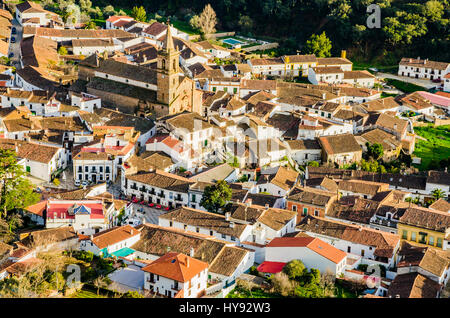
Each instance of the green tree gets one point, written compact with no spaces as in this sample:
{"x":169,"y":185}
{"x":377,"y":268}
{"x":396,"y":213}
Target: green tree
{"x":91,"y":25}
{"x":85,"y":5}
{"x":194,"y":22}
{"x":375,"y":150}
{"x":295,"y":269}
{"x":320,"y":45}
{"x":216,"y":196}
{"x":438,"y":194}
{"x":97,"y":12}
{"x":109,"y":11}
{"x":246,"y":23}
{"x":16,"y":191}
{"x":434,"y":10}
{"x":139,"y":14}
{"x":308,"y":291}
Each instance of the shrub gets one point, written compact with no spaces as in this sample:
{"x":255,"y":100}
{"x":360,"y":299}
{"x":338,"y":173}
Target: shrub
{"x":253,"y":271}
{"x":282,"y":285}
{"x":132,"y":294}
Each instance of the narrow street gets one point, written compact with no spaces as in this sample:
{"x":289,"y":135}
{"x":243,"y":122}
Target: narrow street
{"x":15,"y":47}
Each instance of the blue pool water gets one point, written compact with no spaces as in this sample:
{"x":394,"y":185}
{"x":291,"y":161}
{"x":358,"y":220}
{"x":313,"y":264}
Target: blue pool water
{"x":232,"y":41}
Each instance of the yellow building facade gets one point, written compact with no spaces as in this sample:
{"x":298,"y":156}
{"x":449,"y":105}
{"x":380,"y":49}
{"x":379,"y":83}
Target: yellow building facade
{"x":421,"y":236}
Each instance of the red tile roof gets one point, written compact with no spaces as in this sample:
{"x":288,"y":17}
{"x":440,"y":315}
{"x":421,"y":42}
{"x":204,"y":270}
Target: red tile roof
{"x":316,"y":245}
{"x":176,"y":266}
{"x":61,"y":210}
{"x":37,"y":208}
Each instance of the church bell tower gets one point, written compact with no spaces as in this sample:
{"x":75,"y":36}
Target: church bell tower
{"x":168,"y":70}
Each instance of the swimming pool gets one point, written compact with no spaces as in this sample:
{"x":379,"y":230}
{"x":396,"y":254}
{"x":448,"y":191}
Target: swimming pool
{"x":231,"y":41}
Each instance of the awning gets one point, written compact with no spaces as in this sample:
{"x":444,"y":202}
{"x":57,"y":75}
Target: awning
{"x":271,"y":267}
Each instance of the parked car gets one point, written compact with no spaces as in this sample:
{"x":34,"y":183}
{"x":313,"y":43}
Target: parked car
{"x":11,"y":55}
{"x":77,"y":183}
{"x":13,"y":40}
{"x":85,"y":183}
{"x":13,"y":30}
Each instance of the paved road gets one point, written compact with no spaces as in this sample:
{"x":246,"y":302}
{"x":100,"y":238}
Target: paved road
{"x":15,"y":47}
{"x":126,"y":279}
{"x":417,"y":81}
{"x":150,"y":214}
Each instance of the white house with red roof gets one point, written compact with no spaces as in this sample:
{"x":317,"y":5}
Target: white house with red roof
{"x":85,"y":101}
{"x":176,"y":275}
{"x":36,"y":212}
{"x":117,"y":21}
{"x":85,"y":216}
{"x":183,"y":156}
{"x":114,"y":242}
{"x":101,"y":162}
{"x":313,"y":252}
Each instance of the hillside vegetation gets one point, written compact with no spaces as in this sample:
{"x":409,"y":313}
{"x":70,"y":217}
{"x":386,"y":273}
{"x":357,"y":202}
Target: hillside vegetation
{"x":408,"y":28}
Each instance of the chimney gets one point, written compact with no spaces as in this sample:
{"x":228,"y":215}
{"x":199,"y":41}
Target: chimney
{"x":360,"y":228}
{"x":191,"y":252}
{"x":232,"y":225}
{"x":248,"y":202}
{"x":227,"y":216}
{"x":308,"y":221}
{"x":143,"y":220}
{"x":187,"y":261}
{"x":324,"y":95}
{"x":91,"y":237}
{"x":266,"y":206}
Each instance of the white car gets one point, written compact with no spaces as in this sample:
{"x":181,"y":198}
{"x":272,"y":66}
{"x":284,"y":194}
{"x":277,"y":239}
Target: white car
{"x":77,"y":183}
{"x":85,"y":183}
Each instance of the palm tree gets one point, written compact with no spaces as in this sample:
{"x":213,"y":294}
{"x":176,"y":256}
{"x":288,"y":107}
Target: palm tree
{"x":438,"y":194}
{"x":100,"y":282}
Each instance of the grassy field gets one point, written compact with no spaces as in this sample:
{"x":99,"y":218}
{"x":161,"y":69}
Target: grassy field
{"x":86,"y":294}
{"x":99,"y":22}
{"x":384,"y":95}
{"x":437,"y":146}
{"x":359,"y":66}
{"x":403,"y":86}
